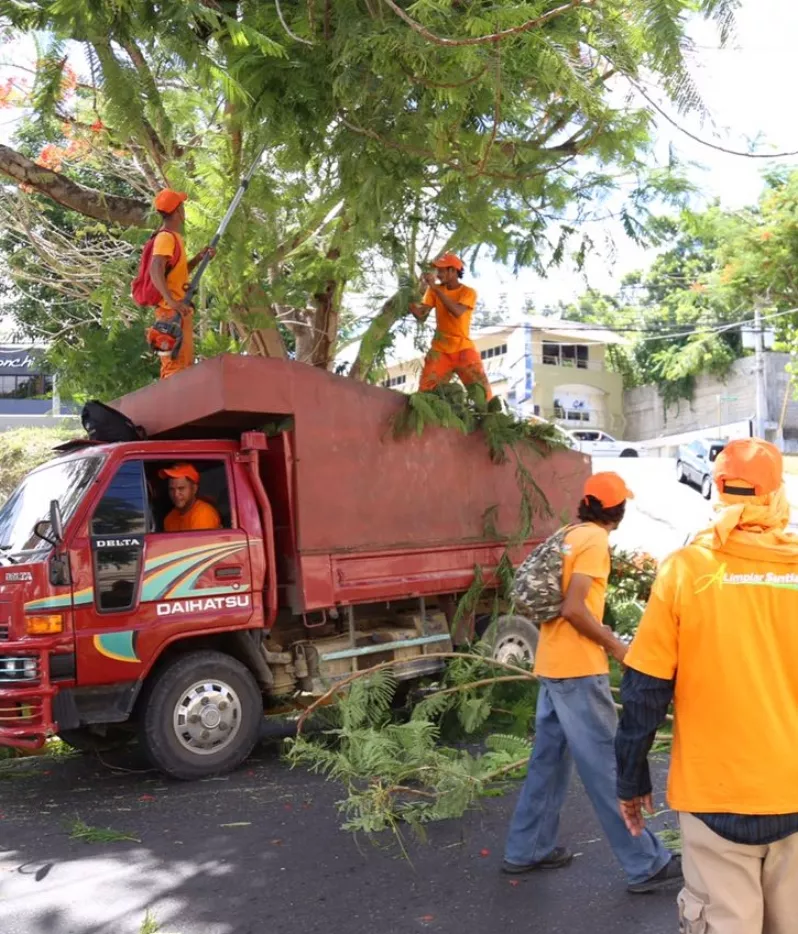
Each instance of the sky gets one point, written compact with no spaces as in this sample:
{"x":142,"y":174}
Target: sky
{"x":747,"y":87}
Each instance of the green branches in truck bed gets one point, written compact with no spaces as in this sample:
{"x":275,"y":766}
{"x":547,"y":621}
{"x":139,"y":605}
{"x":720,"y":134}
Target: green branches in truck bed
{"x":467,"y":411}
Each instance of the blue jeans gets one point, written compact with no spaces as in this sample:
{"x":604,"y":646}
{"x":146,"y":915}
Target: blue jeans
{"x":576,"y":722}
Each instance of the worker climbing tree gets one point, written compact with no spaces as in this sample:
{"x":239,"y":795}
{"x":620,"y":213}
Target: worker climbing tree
{"x":452,"y":353}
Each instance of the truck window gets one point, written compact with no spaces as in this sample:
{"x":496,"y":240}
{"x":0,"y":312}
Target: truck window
{"x":213,"y":489}
{"x":118,"y":527}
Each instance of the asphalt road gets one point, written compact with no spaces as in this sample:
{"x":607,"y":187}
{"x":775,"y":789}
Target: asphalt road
{"x":261,"y":851}
{"x":664,"y":512}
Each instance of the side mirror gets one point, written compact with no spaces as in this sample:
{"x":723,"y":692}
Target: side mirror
{"x":56,"y":520}
{"x":51,"y":532}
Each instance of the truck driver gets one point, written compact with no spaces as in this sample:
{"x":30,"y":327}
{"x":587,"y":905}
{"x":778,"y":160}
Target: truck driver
{"x":190,"y":514}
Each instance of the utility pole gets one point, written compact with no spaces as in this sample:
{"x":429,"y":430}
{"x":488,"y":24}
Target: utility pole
{"x":759,"y":372}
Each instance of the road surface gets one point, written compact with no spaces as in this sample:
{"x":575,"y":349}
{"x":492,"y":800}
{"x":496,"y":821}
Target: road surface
{"x":261,"y":852}
{"x":664,"y":512}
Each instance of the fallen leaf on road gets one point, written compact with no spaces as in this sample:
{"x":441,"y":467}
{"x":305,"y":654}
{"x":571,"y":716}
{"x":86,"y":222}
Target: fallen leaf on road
{"x":426,"y":919}
{"x":240,"y":823}
{"x":288,"y":807}
{"x":276,"y":842}
{"x":147,"y":798}
{"x":514,"y":883}
{"x":484,"y":853}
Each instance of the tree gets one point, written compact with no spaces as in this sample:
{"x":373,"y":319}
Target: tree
{"x":471,"y":125}
{"x":677,"y":321}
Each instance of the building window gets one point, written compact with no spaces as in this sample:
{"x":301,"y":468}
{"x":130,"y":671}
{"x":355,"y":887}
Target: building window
{"x":394,"y":381}
{"x":565,"y":355}
{"x":497,"y":351}
{"x":25,"y":387}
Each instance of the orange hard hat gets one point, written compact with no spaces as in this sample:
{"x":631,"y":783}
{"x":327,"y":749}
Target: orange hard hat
{"x":167,"y":201}
{"x":608,"y":488}
{"x":749,"y":464}
{"x":448,"y":260}
{"x":180,"y":471}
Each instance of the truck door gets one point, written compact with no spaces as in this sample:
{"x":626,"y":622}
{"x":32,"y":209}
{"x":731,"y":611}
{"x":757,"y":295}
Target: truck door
{"x":138,"y":588}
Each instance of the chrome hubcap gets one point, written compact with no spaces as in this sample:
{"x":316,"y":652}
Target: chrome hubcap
{"x":513,"y":647}
{"x":207,"y":717}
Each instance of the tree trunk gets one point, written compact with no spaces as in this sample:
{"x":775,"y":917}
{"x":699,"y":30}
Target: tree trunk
{"x":256,"y":325}
{"x":375,"y":335}
{"x":112,"y":209}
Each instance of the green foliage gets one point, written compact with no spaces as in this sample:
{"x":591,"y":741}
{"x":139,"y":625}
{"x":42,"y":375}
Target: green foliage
{"x":399,"y":771}
{"x":80,"y":830}
{"x":676,"y":312}
{"x":25,"y":448}
{"x":379,"y":142}
{"x":632,"y":575}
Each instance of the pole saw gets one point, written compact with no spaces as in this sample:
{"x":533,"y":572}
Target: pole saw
{"x":166,"y":337}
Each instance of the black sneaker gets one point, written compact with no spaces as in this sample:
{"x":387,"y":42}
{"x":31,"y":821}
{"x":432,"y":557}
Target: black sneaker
{"x":670,"y":874}
{"x":558,"y":858}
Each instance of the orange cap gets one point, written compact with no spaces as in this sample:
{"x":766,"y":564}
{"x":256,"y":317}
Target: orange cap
{"x":178,"y":471}
{"x":608,"y":488}
{"x":751,"y":463}
{"x":448,"y":259}
{"x":167,"y":200}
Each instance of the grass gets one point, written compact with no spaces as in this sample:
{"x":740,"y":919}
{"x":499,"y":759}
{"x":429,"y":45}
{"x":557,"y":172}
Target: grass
{"x":671,"y":839}
{"x":149,"y":925}
{"x":80,"y":830}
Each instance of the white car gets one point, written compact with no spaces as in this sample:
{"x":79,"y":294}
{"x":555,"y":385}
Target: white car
{"x":600,"y":444}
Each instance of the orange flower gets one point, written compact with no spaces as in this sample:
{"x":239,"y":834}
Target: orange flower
{"x":766,"y":235}
{"x":97,"y":126}
{"x":51,"y":157}
{"x":69,"y":80}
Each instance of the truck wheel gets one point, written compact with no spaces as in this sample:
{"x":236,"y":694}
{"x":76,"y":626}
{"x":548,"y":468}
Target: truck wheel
{"x":84,"y":739}
{"x":201,"y":715}
{"x":515,"y":638}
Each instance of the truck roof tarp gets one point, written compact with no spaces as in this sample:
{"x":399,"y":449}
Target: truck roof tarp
{"x":358,"y":488}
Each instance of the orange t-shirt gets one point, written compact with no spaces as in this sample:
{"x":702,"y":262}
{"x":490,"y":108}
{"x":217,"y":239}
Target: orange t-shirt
{"x":200,"y":516}
{"x":724,"y":623}
{"x":452,"y":334}
{"x":177,"y":283}
{"x":562,"y":651}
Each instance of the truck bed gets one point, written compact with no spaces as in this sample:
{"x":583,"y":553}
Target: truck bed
{"x":350,"y":494}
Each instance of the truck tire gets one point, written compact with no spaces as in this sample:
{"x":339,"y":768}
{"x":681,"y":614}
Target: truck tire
{"x":201,"y":716}
{"x":515,"y":638}
{"x":84,"y":739}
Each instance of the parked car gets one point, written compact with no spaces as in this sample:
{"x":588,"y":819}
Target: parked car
{"x":599,"y":443}
{"x":694,"y":463}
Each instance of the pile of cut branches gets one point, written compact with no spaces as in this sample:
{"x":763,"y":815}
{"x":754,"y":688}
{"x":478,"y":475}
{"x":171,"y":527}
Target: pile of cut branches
{"x":459,"y":742}
{"x":632,"y":575}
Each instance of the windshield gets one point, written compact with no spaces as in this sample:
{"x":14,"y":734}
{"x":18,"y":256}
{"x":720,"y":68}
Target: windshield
{"x":65,"y":481}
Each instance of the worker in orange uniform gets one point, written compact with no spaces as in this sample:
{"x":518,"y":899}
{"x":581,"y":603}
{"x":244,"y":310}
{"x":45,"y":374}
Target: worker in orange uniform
{"x":452,"y":352}
{"x":575,"y":720}
{"x":719,"y":637}
{"x":190,"y":514}
{"x":172,"y":282}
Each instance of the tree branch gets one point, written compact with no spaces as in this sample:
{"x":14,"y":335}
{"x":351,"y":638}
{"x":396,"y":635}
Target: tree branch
{"x":493,"y":37}
{"x":113,"y":209}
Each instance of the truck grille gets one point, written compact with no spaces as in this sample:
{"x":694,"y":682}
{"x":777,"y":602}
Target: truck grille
{"x":19,"y":668}
{"x":5,"y":630}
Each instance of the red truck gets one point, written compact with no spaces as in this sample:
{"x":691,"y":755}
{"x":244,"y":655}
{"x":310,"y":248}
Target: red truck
{"x":341,"y":547}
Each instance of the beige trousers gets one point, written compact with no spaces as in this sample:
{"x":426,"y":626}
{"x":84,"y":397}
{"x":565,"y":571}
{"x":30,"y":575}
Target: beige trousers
{"x":731,"y":888}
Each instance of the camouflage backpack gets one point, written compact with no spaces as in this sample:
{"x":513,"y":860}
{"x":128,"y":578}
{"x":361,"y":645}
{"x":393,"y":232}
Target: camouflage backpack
{"x":537,"y":584}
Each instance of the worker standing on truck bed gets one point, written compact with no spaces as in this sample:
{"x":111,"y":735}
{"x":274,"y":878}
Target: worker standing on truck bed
{"x":190,"y":513}
{"x":172,"y":280}
{"x":452,"y":352}
{"x":719,"y":638}
{"x":576,"y":718}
